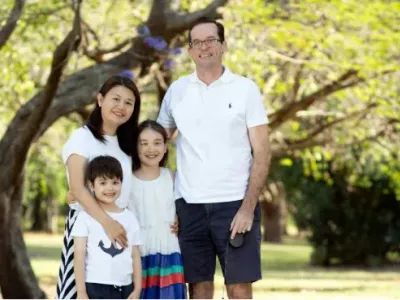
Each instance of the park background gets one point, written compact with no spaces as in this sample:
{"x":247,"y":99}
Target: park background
{"x":329,"y":75}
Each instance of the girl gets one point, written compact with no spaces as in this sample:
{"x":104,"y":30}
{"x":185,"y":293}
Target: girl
{"x":152,"y":201}
{"x":110,"y":130}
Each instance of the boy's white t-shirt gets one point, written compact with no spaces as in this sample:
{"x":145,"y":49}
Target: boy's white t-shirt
{"x":83,"y":143}
{"x":104,"y":263}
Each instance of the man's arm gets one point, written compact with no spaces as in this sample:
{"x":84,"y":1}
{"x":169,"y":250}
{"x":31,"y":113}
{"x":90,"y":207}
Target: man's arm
{"x":165,"y":117}
{"x":259,"y":140}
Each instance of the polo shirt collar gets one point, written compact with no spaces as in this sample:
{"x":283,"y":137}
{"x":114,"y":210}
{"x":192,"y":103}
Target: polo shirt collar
{"x":226,"y":76}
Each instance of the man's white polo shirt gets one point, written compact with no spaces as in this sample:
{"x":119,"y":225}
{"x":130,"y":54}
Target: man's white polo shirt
{"x":213,"y":147}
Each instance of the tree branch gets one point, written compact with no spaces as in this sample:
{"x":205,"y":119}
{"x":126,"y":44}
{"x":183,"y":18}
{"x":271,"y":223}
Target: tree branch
{"x":312,"y":138}
{"x":87,"y":29}
{"x":387,"y":128}
{"x":278,"y":149}
{"x":27,"y":132}
{"x":30,"y":17}
{"x":97,"y":54}
{"x":325,"y":126}
{"x":384,"y":131}
{"x":348,"y":79}
{"x":79,"y":89}
{"x":290,"y":109}
{"x":180,"y":23}
{"x":12,"y":21}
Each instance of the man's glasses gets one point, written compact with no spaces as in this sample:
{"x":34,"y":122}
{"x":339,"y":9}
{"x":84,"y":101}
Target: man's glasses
{"x":209,"y":42}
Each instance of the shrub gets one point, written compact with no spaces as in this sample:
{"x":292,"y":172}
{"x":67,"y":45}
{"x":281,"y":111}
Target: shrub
{"x":348,"y":224}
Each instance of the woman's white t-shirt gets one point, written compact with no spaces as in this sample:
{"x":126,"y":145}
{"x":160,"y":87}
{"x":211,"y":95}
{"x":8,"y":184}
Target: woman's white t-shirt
{"x":83,"y":143}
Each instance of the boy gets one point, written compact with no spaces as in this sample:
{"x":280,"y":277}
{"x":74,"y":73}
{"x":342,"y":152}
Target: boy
{"x":102,"y":269}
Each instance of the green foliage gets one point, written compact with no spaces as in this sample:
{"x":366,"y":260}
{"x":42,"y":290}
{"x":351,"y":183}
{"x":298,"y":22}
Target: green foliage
{"x":349,"y":224}
{"x":294,"y":50}
{"x":24,"y":65}
{"x":290,"y":51}
{"x":45,"y":178}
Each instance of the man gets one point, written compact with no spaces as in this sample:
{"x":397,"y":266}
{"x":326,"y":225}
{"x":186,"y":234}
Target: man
{"x":222,"y":163}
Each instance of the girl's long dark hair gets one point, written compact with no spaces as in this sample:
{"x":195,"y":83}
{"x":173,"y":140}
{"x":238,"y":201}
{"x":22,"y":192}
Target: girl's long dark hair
{"x":126,"y":132}
{"x":153,"y":125}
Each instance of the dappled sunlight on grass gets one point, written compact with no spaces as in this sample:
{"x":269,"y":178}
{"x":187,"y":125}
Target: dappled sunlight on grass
{"x":286,"y":271}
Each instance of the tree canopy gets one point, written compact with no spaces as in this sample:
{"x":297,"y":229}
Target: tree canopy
{"x":328,"y":72}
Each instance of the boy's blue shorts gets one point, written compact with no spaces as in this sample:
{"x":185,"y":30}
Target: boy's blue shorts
{"x":204,"y":231}
{"x":108,"y":291}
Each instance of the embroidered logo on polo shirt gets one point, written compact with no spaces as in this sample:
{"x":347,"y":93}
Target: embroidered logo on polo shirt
{"x":230,"y":105}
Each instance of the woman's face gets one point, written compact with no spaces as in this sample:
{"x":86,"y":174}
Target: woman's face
{"x":116,"y":106}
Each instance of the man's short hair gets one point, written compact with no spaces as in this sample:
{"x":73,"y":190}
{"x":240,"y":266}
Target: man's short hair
{"x":205,"y":20}
{"x":103,"y":166}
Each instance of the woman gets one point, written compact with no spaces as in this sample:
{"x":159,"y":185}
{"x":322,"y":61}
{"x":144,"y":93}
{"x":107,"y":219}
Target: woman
{"x":110,"y":130}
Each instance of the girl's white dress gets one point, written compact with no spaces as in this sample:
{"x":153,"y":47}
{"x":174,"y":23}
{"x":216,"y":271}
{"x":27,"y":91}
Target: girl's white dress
{"x":154,"y":205}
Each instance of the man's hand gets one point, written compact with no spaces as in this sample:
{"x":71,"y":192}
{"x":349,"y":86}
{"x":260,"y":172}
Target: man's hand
{"x":243,"y":220}
{"x":175,"y":227}
{"x":116,"y":233}
{"x":135,"y":294}
{"x":82,"y":295}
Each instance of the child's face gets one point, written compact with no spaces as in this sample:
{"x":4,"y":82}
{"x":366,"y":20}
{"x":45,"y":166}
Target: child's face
{"x":106,"y":190}
{"x":151,"y":147}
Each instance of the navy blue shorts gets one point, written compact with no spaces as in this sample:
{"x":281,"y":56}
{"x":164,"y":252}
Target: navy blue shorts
{"x":108,"y":291}
{"x":204,"y":235}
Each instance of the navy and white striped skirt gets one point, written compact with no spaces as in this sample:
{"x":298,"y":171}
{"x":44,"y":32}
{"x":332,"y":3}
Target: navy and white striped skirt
{"x":66,"y":287}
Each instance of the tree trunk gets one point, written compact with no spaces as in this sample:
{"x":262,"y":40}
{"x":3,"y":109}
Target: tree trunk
{"x":16,"y":268}
{"x":51,"y":215}
{"x":43,"y":214}
{"x":274,"y":212}
{"x":37,"y":215}
{"x":17,"y":279}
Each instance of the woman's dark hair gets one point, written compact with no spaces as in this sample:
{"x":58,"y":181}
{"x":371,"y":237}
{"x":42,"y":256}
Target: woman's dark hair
{"x":206,"y":20}
{"x":103,"y":166}
{"x":153,"y":125}
{"x":126,"y":132}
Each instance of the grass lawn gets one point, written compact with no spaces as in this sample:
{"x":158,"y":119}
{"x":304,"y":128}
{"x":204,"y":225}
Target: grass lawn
{"x":285,"y":270}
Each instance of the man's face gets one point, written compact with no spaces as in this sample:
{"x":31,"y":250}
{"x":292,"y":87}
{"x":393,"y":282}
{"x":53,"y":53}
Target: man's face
{"x":207,"y":49}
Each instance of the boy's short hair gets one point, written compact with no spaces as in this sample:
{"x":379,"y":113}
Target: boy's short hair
{"x":103,"y":166}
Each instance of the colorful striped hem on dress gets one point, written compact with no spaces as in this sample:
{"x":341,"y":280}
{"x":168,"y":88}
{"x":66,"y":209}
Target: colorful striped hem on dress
{"x":163,"y":277}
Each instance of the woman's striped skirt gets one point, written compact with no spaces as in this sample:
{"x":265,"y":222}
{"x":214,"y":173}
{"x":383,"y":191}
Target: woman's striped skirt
{"x":66,"y":288}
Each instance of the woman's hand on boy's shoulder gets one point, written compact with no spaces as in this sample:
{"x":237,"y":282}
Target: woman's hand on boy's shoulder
{"x":116,"y":233}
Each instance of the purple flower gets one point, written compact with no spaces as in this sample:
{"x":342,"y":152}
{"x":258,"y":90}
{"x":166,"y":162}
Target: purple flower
{"x":156,"y":42}
{"x":175,"y":51}
{"x":143,"y":30}
{"x":168,"y":63}
{"x":127,"y":73}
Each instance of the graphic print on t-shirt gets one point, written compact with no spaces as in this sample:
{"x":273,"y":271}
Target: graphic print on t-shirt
{"x":112,"y":250}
